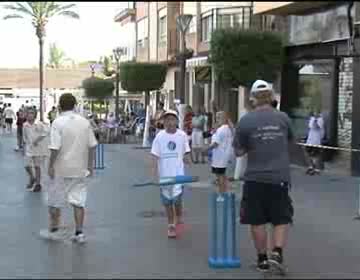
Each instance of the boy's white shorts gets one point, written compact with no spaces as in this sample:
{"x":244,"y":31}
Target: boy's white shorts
{"x":67,"y":190}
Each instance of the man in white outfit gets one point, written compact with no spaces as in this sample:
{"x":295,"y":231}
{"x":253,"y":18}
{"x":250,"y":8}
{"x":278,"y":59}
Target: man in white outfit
{"x":72,"y":146}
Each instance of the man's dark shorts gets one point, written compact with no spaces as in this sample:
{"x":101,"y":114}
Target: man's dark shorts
{"x":9,"y":121}
{"x":266,"y":203}
{"x":218,"y":171}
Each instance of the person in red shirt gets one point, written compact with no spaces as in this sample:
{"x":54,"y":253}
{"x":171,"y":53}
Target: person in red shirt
{"x":188,"y":125}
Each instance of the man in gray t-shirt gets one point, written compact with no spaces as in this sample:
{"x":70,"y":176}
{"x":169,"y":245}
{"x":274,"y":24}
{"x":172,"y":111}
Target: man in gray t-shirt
{"x":264,"y":135}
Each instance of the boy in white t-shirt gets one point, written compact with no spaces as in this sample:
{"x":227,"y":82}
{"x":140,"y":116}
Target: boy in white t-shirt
{"x":36,"y":149}
{"x":170,"y":149}
{"x":221,"y":146}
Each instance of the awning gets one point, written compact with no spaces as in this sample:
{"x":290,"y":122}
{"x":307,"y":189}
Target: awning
{"x":197,"y":61}
{"x":289,"y":8}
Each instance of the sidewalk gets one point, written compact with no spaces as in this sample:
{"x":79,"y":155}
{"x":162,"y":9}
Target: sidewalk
{"x":124,"y":243}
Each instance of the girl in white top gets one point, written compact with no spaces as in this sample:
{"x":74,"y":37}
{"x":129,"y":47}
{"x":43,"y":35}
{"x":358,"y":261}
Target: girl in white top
{"x":170,"y":149}
{"x":36,"y":149}
{"x":221,"y":144}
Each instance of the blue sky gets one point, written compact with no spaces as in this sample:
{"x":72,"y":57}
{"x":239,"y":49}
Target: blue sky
{"x":94,"y":35}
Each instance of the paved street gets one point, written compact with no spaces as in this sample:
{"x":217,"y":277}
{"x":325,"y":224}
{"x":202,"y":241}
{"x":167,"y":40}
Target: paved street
{"x":324,"y":241}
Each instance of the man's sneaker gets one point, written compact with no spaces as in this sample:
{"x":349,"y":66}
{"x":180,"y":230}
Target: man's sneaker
{"x":171,"y":231}
{"x":37,"y":188}
{"x":79,"y":238}
{"x":276,"y":261}
{"x":58,"y":235}
{"x":263,"y":266}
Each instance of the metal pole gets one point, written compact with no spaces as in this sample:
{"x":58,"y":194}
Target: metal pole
{"x":117,"y":89}
{"x":182,"y":69}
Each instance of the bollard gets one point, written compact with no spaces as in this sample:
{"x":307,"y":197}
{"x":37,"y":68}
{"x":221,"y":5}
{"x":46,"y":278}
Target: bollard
{"x":222,"y":241}
{"x":99,"y":157}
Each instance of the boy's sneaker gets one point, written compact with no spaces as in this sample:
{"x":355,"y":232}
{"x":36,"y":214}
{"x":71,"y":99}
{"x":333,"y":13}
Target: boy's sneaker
{"x":263,"y":266}
{"x":171,"y":231}
{"x":54,"y":236}
{"x":79,"y":238}
{"x":277,"y":261}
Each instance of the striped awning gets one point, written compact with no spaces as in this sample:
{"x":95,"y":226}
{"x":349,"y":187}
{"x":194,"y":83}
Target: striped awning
{"x":197,"y":61}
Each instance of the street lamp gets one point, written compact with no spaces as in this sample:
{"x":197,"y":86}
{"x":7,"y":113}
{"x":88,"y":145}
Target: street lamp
{"x":118,"y":52}
{"x":182,"y":23}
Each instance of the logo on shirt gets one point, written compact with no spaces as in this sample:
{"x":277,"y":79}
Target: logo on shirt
{"x":171,"y":145}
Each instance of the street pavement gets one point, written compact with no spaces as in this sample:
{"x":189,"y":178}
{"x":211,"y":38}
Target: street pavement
{"x":126,"y":228}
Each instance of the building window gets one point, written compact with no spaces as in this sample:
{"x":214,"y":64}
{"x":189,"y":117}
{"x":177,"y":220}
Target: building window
{"x":206,"y":28}
{"x":240,"y":19}
{"x":142,"y":30}
{"x":162,"y":30}
{"x":192,"y":26}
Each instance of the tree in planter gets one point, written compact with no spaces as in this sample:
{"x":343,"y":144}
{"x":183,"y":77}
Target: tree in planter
{"x":39,"y":14}
{"x":142,"y":77}
{"x":242,"y":56}
{"x":98,"y":89}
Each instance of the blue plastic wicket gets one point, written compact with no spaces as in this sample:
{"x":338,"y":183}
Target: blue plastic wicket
{"x":99,"y":157}
{"x":223,"y":250}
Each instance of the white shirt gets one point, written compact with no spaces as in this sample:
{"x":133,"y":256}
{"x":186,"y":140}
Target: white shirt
{"x":316,"y":133}
{"x":33,"y":132}
{"x":72,"y":135}
{"x":170,"y":149}
{"x":9,"y":113}
{"x":223,"y":152}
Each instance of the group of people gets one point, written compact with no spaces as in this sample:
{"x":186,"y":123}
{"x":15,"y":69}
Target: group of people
{"x":263,"y":134}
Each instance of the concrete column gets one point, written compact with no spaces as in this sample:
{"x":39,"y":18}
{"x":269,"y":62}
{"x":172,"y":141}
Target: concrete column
{"x":213,"y":86}
{"x":241,"y":102}
{"x":207,"y":97}
{"x":191,"y":84}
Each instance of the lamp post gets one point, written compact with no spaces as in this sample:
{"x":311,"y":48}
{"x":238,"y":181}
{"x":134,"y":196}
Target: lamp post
{"x":182,"y":23}
{"x":118,"y":52}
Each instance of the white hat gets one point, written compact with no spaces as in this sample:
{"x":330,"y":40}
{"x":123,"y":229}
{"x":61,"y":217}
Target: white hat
{"x":170,"y":112}
{"x":260,"y":85}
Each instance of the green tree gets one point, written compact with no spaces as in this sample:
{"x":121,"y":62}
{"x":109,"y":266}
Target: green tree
{"x":98,"y":88}
{"x":242,"y":56}
{"x":57,"y":56}
{"x":152,"y":77}
{"x":39,"y":14}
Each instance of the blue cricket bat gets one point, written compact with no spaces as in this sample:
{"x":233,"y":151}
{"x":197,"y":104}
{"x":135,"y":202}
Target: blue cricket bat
{"x":166,"y":181}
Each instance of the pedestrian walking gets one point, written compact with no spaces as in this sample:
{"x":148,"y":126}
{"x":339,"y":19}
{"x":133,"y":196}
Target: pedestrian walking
{"x":9,"y":116}
{"x":20,"y":120}
{"x":52,"y":115}
{"x":197,"y":138}
{"x":169,"y":151}
{"x":222,"y":151}
{"x":315,"y":136}
{"x":72,"y":148}
{"x":36,"y":150}
{"x":264,"y":134}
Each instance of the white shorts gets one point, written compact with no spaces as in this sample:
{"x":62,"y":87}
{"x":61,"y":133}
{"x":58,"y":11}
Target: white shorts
{"x":34,"y":161}
{"x":197,"y":139}
{"x":67,"y":190}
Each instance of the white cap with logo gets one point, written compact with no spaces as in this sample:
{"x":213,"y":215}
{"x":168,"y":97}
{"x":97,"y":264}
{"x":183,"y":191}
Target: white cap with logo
{"x":260,"y":85}
{"x":170,"y":112}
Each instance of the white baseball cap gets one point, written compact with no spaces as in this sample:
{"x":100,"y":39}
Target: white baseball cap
{"x":170,"y":112}
{"x":260,"y":85}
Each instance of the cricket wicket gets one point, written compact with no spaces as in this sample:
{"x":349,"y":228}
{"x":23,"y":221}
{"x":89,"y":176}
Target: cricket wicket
{"x":99,"y":157}
{"x":222,"y":241}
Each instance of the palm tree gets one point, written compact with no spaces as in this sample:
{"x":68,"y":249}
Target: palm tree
{"x":39,"y":14}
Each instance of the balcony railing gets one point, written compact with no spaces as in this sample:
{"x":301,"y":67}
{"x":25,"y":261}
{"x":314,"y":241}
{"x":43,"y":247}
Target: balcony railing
{"x":227,"y":17}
